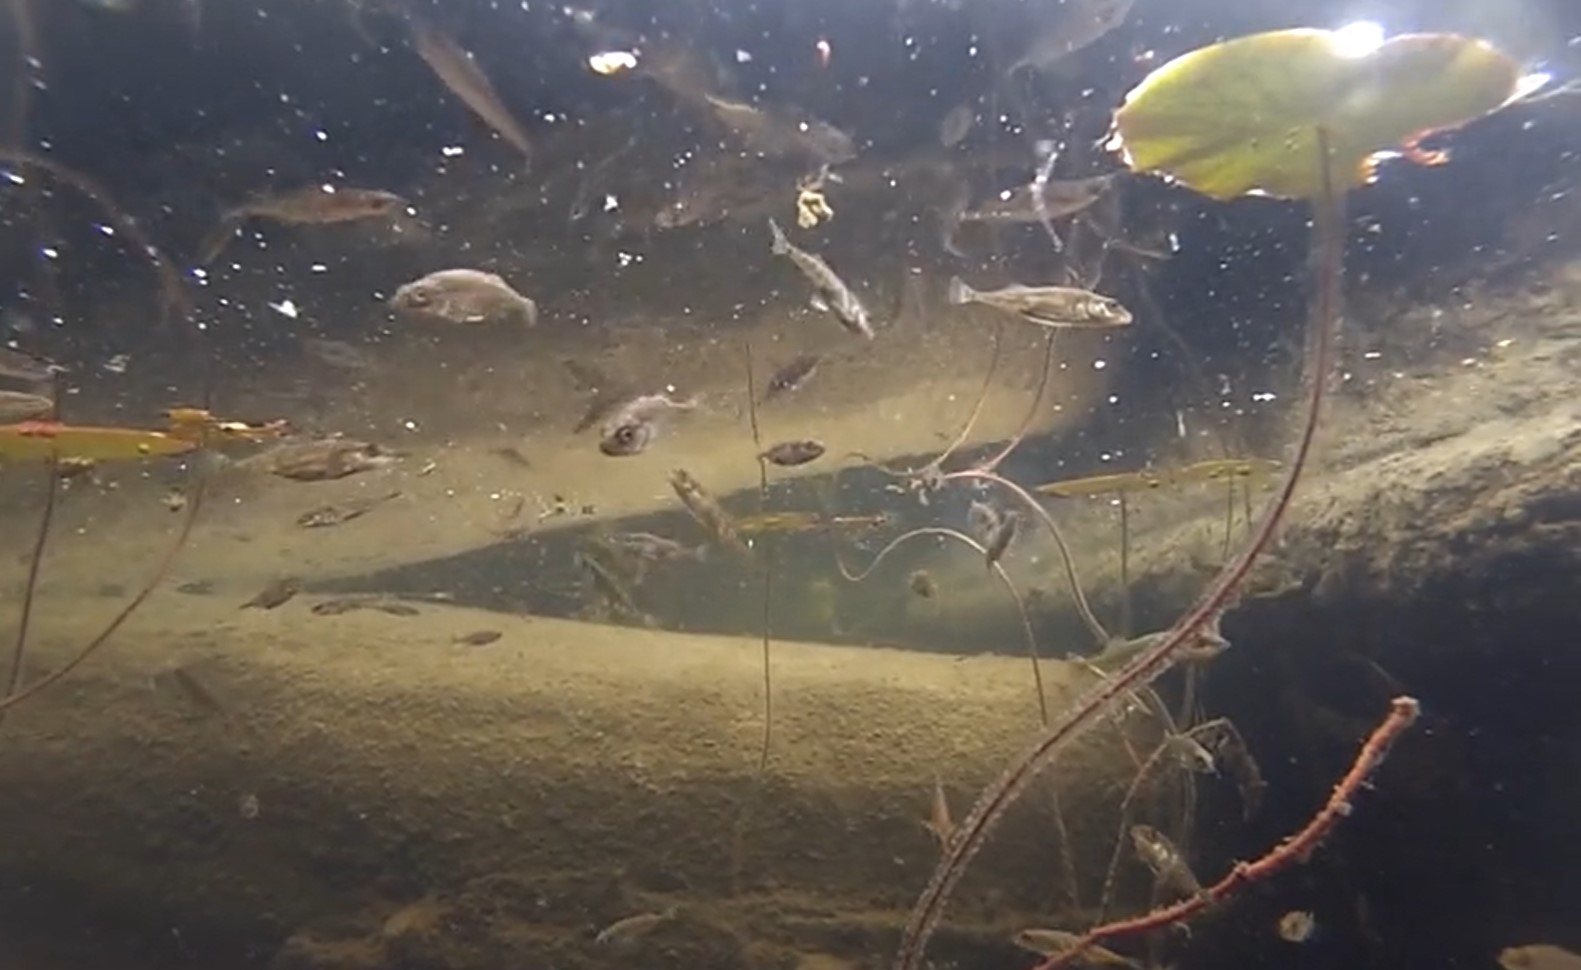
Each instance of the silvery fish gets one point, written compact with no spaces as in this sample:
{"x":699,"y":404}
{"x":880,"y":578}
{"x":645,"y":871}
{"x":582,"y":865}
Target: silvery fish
{"x":465,"y":296}
{"x":23,"y":366}
{"x":18,"y":406}
{"x":955,"y":126}
{"x":631,"y":428}
{"x":1047,"y":306}
{"x":459,"y":73}
{"x":792,"y":375}
{"x":776,"y":132}
{"x":1166,"y":861}
{"x":830,"y":291}
{"x":788,"y":454}
{"x":311,"y":205}
{"x":1050,"y":943}
{"x":1538,"y":956}
{"x":1075,"y":25}
{"x":1061,"y":198}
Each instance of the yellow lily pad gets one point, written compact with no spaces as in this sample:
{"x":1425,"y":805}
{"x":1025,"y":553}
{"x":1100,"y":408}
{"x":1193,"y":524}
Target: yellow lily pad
{"x":1241,"y":117}
{"x":38,"y":440}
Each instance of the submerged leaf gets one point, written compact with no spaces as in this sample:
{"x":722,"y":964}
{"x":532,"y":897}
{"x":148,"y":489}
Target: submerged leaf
{"x":1242,"y":116}
{"x":39,"y":440}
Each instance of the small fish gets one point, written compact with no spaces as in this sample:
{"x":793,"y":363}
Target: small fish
{"x":1000,"y":537}
{"x":16,"y":406}
{"x":465,"y":296}
{"x":956,"y":124}
{"x":1299,"y":926}
{"x":1073,"y":25}
{"x":477,"y":638}
{"x":1224,"y":740}
{"x":1061,"y":198}
{"x":982,"y":519}
{"x":632,"y":927}
{"x":776,"y":132}
{"x":511,"y":455}
{"x":1189,"y":753}
{"x":1165,"y":860}
{"x":791,"y":375}
{"x":1538,"y":956}
{"x":310,"y":205}
{"x":1047,"y":306}
{"x":337,"y":353}
{"x":394,"y":609}
{"x":706,"y":510}
{"x":632,"y":427}
{"x":322,"y":460}
{"x":610,"y":587}
{"x":340,"y":513}
{"x":192,"y":687}
{"x":922,"y":585}
{"x":788,"y":454}
{"x":940,"y":822}
{"x":830,"y":291}
{"x":461,"y":75}
{"x":1048,"y":943}
{"x":22,"y":366}
{"x":275,"y":594}
{"x":651,"y":548}
{"x":340,"y":606}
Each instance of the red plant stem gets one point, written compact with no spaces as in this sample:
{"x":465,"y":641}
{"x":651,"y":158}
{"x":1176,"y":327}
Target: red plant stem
{"x":1297,"y":848}
{"x":972,"y":833}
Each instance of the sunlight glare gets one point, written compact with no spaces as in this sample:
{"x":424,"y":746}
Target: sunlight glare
{"x":1358,"y":39}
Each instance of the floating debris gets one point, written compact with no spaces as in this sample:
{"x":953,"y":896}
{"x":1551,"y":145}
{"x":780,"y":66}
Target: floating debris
{"x":22,"y":366}
{"x":465,"y":296}
{"x":1299,"y":926}
{"x":922,"y":585}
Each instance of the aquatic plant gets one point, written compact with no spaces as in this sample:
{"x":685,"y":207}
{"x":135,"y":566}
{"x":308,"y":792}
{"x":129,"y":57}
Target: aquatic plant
{"x":1250,"y":116}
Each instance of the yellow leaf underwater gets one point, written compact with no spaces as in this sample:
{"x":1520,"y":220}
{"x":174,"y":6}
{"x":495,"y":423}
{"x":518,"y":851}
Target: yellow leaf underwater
{"x":1242,"y":116}
{"x":38,"y":440}
{"x":1214,"y":470}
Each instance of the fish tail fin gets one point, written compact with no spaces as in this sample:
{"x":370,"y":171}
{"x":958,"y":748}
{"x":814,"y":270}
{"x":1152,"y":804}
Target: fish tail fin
{"x":528,"y":313}
{"x":959,"y":292}
{"x":781,"y":245}
{"x":210,"y":247}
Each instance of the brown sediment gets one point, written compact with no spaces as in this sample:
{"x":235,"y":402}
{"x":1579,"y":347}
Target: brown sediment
{"x":389,"y":765}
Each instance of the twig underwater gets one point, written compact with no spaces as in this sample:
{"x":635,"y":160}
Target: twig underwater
{"x":1297,"y":848}
{"x":1328,"y":234}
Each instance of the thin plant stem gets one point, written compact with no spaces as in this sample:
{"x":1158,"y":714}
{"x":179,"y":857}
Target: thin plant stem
{"x":1328,"y":233}
{"x":1083,"y":607}
{"x":999,"y":572}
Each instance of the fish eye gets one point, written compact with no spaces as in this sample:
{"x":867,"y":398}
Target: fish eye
{"x":626,"y":434}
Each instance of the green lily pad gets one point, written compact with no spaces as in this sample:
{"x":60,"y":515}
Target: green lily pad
{"x":1242,"y":116}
